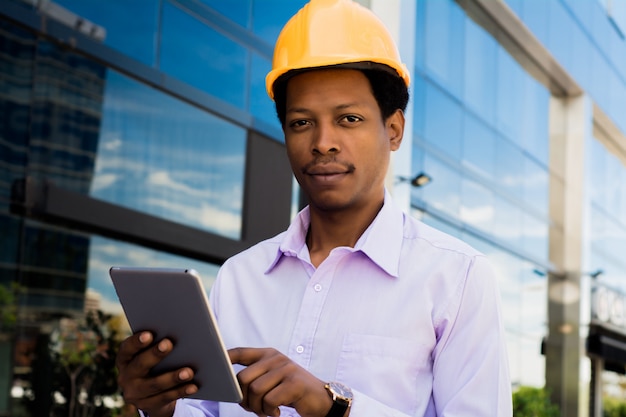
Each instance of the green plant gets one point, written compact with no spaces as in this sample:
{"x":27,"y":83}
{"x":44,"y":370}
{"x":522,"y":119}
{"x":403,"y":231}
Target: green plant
{"x":533,"y":402}
{"x":613,"y":407}
{"x":8,"y":306}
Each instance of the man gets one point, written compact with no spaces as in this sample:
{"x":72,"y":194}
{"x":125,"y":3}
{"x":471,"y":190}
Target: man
{"x":357,"y":309}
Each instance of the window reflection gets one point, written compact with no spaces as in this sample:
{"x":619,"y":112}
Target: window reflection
{"x":607,"y":220}
{"x":477,"y":207}
{"x":169,"y":159}
{"x":236,"y":10}
{"x":509,"y":95}
{"x":480,"y":71}
{"x":509,"y":168}
{"x":202,"y":57}
{"x":508,"y":222}
{"x":444,"y":33}
{"x":269,"y":16}
{"x":534,"y":129}
{"x":445,"y":196}
{"x":443,"y":121}
{"x":479,"y":147}
{"x":261,"y":106}
{"x":130,"y":25}
{"x":105,"y":253}
{"x":535,"y":237}
{"x":536,"y":183}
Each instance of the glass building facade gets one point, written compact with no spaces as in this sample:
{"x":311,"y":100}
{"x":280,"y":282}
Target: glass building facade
{"x":139,"y":133}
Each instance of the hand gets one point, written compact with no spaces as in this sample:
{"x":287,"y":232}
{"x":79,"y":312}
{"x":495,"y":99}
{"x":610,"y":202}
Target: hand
{"x":155,"y":395}
{"x":272,"y":379}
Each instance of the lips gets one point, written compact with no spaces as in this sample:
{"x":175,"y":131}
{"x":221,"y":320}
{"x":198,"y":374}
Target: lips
{"x":327,"y":173}
{"x":327,"y":169}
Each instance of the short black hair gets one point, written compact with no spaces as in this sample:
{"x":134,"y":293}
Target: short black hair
{"x":389,"y":90}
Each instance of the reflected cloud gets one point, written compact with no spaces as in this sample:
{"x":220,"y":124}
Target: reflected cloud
{"x":207,"y":215}
{"x":103,"y":181}
{"x":105,"y":253}
{"x":477,"y":215}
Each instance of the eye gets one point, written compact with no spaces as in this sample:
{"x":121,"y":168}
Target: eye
{"x":295,"y":124}
{"x":350,"y":119}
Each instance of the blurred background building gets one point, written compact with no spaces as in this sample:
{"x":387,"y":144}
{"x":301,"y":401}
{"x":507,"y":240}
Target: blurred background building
{"x":139,"y":133}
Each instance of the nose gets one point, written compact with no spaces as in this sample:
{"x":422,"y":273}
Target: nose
{"x":325,"y":140}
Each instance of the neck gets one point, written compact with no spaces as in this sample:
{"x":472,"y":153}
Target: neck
{"x":331,"y":230}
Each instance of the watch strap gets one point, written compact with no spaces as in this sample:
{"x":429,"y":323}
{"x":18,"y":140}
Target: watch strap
{"x":338,"y":409}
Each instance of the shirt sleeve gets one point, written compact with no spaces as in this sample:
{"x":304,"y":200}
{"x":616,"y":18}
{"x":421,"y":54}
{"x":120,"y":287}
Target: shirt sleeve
{"x":470,"y":368}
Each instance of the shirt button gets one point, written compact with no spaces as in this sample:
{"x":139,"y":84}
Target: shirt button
{"x":317,"y":287}
{"x":300,"y":349}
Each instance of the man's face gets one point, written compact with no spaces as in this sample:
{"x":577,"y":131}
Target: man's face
{"x":337,"y":142}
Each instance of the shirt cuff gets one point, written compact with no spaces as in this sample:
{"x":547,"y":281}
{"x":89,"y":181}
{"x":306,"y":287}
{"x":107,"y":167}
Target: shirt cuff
{"x":364,"y":406}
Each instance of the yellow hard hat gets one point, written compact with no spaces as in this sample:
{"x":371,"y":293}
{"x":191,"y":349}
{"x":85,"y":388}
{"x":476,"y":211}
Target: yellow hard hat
{"x":333,"y":32}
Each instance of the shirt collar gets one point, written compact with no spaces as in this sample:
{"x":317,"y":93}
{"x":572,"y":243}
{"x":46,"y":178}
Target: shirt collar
{"x":381,"y":241}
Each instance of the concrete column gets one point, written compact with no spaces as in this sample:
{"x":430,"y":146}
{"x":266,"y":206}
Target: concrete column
{"x":570,"y":123}
{"x":595,"y":406}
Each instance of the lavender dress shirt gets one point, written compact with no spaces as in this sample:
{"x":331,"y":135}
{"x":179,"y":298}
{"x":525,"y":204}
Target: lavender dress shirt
{"x":409,"y":319}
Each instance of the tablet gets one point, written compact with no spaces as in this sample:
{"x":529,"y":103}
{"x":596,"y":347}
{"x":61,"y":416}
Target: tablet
{"x":173,"y":303}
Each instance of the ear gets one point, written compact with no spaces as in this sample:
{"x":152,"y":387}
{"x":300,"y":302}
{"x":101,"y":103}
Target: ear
{"x":394,"y":126}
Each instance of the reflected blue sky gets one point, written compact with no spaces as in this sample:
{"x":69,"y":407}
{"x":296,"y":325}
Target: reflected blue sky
{"x":131,"y":26}
{"x":164,"y":157}
{"x":202,"y":57}
{"x":105,"y":253}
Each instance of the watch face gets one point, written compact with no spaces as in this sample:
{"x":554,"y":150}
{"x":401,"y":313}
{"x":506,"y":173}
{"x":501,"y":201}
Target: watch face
{"x":341,"y":390}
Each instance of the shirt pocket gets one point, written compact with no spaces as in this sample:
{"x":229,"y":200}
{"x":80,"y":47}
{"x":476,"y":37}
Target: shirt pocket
{"x":387,"y":369}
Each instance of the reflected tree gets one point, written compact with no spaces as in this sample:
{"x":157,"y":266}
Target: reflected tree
{"x":76,"y":375}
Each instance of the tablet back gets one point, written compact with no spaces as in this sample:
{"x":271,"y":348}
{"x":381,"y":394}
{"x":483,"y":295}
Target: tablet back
{"x":172,"y":303}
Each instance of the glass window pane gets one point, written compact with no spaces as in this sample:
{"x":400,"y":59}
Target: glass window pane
{"x":65,"y":113}
{"x":208,"y":60}
{"x":130,"y":26}
{"x":445,"y":190}
{"x":443,"y":121}
{"x":509,"y":168}
{"x":419,"y":85}
{"x":236,"y":10}
{"x":477,"y":206}
{"x":509,"y":95}
{"x":536,"y":182}
{"x":480,"y":71}
{"x":445,"y":22}
{"x":261,"y":106}
{"x":535,"y":237}
{"x":167,"y":158}
{"x":269,"y":16}
{"x":508,"y":219}
{"x":536,"y":110}
{"x":479,"y":147}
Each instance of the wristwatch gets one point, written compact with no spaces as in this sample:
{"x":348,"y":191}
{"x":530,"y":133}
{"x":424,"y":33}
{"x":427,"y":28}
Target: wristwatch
{"x":342,"y":398}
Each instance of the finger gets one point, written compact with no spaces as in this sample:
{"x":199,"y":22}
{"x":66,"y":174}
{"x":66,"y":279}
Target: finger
{"x":164,"y":402}
{"x":260,"y":378}
{"x":137,"y":372}
{"x":131,"y":346}
{"x":262,"y":396}
{"x":164,"y":388}
{"x":143,"y":362}
{"x":246,"y":356}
